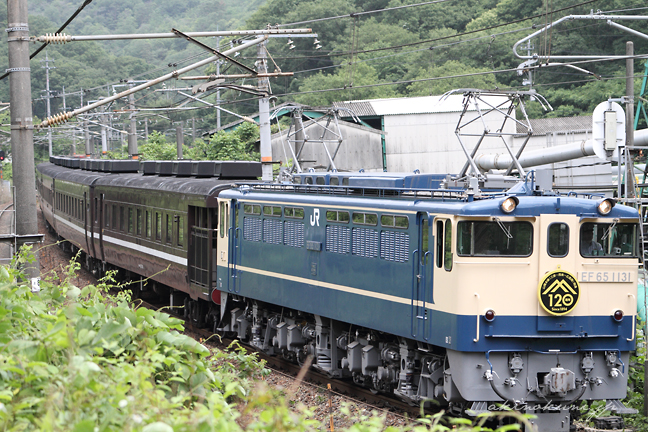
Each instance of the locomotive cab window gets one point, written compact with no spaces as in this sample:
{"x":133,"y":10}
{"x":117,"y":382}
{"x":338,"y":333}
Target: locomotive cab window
{"x":558,"y":240}
{"x":612,"y":240}
{"x":486,"y":238}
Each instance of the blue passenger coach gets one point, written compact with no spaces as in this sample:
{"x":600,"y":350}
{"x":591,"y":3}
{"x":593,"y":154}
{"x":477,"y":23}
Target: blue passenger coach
{"x":436,"y":294}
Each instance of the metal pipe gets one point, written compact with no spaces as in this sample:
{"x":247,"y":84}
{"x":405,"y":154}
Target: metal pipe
{"x":544,"y":156}
{"x":60,"y":118}
{"x":61,"y":38}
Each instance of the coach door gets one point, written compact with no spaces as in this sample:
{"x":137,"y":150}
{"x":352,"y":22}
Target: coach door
{"x":227,"y":249}
{"x":422,"y":261}
{"x":201,"y":238}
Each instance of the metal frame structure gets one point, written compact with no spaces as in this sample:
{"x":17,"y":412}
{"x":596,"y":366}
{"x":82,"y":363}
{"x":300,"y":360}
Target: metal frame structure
{"x":296,"y":135}
{"x":484,"y":107}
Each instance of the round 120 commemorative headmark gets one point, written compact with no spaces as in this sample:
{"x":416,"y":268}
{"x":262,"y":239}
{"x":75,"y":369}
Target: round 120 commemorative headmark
{"x":558,"y":292}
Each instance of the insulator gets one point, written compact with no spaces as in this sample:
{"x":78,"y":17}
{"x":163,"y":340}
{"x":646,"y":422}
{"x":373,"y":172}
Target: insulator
{"x":58,"y":119}
{"x":55,"y":38}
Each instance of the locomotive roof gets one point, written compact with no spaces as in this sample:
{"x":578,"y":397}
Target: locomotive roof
{"x":446,"y":201}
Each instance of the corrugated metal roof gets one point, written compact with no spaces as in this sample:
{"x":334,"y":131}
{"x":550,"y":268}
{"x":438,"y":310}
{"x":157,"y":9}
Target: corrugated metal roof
{"x":360,"y":108}
{"x":558,"y":125}
{"x":413,"y":105}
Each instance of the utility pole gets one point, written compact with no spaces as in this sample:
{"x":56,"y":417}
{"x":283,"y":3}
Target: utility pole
{"x":132,"y":134}
{"x":104,"y":132}
{"x":22,"y":129}
{"x":218,"y":99}
{"x":64,"y":106}
{"x":146,"y":128}
{"x":264,"y":116}
{"x":47,"y":68}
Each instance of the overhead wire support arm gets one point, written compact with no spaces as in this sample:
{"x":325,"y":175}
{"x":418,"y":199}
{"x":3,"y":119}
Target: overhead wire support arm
{"x":63,"y":117}
{"x":215,"y":52}
{"x":609,"y":19}
{"x":59,"y":38}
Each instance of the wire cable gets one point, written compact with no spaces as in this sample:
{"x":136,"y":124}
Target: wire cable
{"x":355,"y":14}
{"x":455,"y":35}
{"x":42,"y":47}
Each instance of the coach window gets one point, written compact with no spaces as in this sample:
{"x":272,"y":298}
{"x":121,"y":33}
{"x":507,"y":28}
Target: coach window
{"x":122,"y":223}
{"x":130,"y":220}
{"x":308,"y":180}
{"x":148,"y":224}
{"x":558,"y":240}
{"x":158,"y":226}
{"x":274,"y":211}
{"x":114,"y":216}
{"x":139,"y":222}
{"x":447,"y":253}
{"x":320,"y":180}
{"x":96,"y":210}
{"x":106,"y":215}
{"x":169,"y":229}
{"x":334,"y":181}
{"x":180,"y":230}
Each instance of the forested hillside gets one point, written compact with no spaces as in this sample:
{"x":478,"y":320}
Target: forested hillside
{"x":363,"y":51}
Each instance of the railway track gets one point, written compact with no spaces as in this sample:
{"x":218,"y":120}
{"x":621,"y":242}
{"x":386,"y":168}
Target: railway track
{"x":344,"y":388}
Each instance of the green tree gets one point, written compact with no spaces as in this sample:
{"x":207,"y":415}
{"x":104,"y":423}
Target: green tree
{"x":235,"y":145}
{"x":157,"y":148}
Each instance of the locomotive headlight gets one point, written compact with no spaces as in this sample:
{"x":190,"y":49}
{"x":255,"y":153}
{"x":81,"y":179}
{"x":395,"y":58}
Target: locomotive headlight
{"x":605,"y":206}
{"x":617,"y":315}
{"x":509,"y":204}
{"x":489,"y":315}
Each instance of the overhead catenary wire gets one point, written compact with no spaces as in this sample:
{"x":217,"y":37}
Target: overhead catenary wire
{"x":69,"y":20}
{"x":355,"y":14}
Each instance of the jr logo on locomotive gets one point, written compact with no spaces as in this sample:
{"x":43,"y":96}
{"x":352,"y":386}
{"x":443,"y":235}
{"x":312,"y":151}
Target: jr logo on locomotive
{"x":558,"y":292}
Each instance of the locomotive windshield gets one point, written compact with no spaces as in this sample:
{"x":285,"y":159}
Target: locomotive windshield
{"x":481,"y":238}
{"x":609,"y":240}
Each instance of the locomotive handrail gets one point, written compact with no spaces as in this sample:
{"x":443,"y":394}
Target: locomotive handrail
{"x":476,"y":339}
{"x":414,"y":321}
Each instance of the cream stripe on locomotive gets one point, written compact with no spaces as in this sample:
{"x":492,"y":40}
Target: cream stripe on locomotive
{"x":130,"y":245}
{"x":597,"y":304}
{"x":329,"y":206}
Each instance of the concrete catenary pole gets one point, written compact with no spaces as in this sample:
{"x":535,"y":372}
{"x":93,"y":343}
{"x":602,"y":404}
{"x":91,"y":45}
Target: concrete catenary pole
{"x":132,"y":133}
{"x":179,"y":140}
{"x":104,"y":131}
{"x":22,"y":128}
{"x":264,"y":117}
{"x":629,"y":190}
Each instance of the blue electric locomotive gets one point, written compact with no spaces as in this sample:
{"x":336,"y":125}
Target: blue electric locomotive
{"x":408,"y":284}
{"x":473,"y":300}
